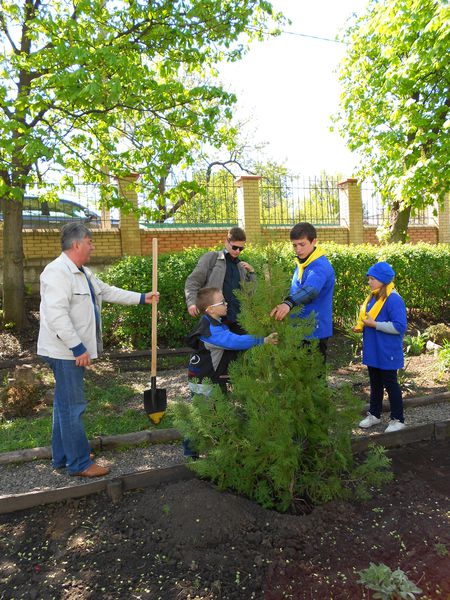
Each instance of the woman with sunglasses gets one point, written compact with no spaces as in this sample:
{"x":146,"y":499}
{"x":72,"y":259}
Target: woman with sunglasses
{"x":224,"y":270}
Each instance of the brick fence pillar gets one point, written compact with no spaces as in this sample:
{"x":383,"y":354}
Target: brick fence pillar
{"x":444,"y":221}
{"x":129,"y":222}
{"x":351,"y":210}
{"x":248,"y":205}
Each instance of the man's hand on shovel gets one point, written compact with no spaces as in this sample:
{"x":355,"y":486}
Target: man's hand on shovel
{"x":150,"y":296}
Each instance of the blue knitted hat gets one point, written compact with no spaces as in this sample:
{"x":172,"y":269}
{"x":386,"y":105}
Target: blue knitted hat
{"x":382,"y":271}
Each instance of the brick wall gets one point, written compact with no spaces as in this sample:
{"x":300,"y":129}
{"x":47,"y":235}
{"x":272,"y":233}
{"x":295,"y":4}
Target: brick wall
{"x":416,"y":234}
{"x":170,"y":240}
{"x":46,"y":244}
{"x":340,"y":235}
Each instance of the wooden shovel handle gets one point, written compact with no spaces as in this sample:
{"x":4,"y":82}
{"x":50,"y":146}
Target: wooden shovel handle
{"x":154,"y":304}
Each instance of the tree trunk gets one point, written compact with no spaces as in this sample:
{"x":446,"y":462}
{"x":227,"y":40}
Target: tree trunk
{"x":398,"y":223}
{"x":13,"y":259}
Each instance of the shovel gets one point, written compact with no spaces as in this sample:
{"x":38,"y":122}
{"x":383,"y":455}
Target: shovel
{"x":155,"y":400}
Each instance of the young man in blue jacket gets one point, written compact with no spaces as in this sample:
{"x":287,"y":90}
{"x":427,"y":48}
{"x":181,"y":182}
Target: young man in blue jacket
{"x":312,"y":284}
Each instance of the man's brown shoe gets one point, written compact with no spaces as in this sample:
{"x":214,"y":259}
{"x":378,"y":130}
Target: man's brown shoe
{"x":93,"y":471}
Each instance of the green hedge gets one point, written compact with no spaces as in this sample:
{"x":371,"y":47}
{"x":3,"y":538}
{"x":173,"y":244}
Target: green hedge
{"x":423,"y":279}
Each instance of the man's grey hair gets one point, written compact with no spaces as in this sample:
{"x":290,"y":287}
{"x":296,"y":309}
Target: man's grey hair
{"x":73,"y":232}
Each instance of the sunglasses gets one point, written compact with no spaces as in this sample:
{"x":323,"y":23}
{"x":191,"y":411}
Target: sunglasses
{"x":236,"y":248}
{"x":223,"y":303}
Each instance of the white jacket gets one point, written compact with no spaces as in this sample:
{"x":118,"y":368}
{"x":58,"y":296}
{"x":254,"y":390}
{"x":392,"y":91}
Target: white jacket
{"x":67,"y":316}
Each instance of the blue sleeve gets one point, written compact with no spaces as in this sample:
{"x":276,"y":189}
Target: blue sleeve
{"x":224,"y":338}
{"x":311,"y":285}
{"x":78,"y":350}
{"x":304,"y":295}
{"x":396,"y":312}
{"x":142,"y":300}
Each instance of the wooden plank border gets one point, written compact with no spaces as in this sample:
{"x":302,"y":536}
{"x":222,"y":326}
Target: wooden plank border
{"x":153,"y":436}
{"x":161,"y":436}
{"x":131,"y":481}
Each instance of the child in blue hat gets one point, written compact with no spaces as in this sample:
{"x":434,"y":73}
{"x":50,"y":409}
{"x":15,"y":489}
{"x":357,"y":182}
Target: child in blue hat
{"x":382,"y":321}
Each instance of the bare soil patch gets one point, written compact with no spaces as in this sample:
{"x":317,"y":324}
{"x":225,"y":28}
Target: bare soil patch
{"x":186,"y":540}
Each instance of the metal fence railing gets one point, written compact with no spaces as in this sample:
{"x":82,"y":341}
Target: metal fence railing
{"x":213,"y":203}
{"x":289,"y":200}
{"x":375,"y":213}
{"x":210,"y":203}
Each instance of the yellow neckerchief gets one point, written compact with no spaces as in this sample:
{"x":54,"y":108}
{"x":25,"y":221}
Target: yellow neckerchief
{"x":375,"y":310}
{"x":316,"y":253}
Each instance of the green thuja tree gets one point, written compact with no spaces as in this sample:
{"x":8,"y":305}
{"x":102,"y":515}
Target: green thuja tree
{"x":281,"y":434}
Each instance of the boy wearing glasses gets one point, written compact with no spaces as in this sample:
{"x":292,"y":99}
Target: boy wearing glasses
{"x":223,"y":270}
{"x":214,"y":344}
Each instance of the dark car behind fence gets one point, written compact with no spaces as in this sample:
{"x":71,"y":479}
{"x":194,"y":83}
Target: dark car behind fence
{"x":39,"y":214}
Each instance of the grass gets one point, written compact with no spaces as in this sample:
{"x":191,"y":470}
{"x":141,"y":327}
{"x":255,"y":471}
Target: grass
{"x":105,"y":415}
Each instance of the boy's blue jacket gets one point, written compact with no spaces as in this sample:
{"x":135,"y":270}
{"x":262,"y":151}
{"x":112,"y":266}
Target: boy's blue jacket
{"x":215,"y":347}
{"x":385,"y":350}
{"x":316,"y":289}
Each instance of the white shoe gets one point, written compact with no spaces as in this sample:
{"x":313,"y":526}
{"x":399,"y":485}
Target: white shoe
{"x":369,"y":421}
{"x":394,"y":425}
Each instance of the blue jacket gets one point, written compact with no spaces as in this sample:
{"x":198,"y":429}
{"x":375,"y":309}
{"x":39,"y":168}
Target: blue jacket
{"x":215,"y":346}
{"x":385,"y":350}
{"x":315,"y":292}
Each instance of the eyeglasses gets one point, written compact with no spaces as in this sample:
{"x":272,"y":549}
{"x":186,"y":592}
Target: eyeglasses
{"x":223,"y":303}
{"x":236,"y":248}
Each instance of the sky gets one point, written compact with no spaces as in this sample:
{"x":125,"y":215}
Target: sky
{"x":289,"y":88}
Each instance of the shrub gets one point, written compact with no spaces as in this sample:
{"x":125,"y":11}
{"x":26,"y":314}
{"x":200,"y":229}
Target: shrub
{"x":281,"y":433}
{"x":423,"y":272}
{"x":444,"y":356}
{"x":130,"y":326}
{"x":415,"y":344}
{"x":19,"y":400}
{"x":438,"y":333}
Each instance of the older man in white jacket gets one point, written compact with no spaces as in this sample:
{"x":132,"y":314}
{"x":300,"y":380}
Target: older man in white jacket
{"x":70,"y":337}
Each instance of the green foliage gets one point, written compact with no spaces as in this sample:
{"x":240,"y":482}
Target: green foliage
{"x":444,"y":356}
{"x":395,"y":98}
{"x":105,"y":88}
{"x":375,"y":471}
{"x":423,"y":272}
{"x":321,"y":206}
{"x":387,"y":584}
{"x":104,"y":416}
{"x":217,"y":204}
{"x":441,"y":549}
{"x":415,"y":344}
{"x":438,"y":333}
{"x":355,"y":340}
{"x":280,"y":433}
{"x":131,"y":326}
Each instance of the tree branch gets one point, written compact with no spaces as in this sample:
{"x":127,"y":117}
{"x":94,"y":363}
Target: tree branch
{"x":5,"y":29}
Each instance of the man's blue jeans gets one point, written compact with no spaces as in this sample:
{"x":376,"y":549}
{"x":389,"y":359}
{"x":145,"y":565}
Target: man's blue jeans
{"x":70,"y":446}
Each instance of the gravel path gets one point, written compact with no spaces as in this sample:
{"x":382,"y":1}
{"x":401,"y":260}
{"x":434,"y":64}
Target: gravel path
{"x":39,"y":474}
